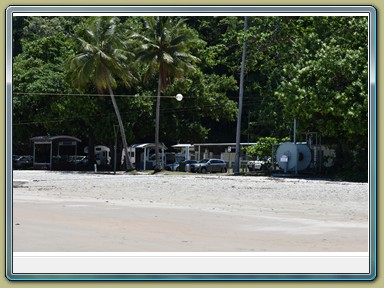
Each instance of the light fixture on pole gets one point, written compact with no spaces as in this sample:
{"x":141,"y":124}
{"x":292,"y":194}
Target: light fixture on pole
{"x":179,"y":97}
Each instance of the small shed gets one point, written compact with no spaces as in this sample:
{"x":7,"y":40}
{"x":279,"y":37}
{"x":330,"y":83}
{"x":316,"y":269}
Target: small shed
{"x":53,"y":152}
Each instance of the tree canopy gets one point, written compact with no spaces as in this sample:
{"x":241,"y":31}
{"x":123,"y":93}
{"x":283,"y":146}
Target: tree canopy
{"x":310,"y":68}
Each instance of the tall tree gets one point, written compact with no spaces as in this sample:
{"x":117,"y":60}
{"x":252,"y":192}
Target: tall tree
{"x":101,"y":58}
{"x":38,"y":74}
{"x":166,"y":46}
{"x":326,"y":87}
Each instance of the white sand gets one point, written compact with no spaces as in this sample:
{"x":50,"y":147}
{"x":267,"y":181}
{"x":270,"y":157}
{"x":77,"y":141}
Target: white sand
{"x":59,"y":211}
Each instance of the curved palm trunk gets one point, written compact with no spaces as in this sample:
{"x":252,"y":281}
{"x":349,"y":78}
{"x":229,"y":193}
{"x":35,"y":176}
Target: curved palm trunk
{"x":129,"y":166}
{"x":158,"y":166}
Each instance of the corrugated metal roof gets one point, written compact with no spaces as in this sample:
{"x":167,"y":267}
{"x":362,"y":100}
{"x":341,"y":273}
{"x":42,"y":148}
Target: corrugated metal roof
{"x":222,"y":144}
{"x":53,"y":138}
{"x":148,"y":145}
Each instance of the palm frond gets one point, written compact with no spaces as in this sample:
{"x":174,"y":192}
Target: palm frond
{"x":167,"y":58}
{"x":100,"y":51}
{"x":138,"y":36}
{"x":165,"y":45}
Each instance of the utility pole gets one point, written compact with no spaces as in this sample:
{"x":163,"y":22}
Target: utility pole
{"x":238,"y":129}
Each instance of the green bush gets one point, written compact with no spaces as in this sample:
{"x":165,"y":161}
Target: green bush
{"x":263,"y":147}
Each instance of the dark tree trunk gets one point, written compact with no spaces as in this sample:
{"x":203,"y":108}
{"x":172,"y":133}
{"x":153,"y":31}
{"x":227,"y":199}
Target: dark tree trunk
{"x":91,"y":148}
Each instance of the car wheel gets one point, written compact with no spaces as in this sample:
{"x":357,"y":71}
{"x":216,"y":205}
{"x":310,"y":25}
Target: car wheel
{"x":204,"y":170}
{"x":223,"y":170}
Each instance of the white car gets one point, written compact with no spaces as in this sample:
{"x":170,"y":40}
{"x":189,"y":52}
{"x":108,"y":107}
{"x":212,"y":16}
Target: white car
{"x":254,"y":165}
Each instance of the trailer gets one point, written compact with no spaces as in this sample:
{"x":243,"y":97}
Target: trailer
{"x":102,"y":154}
{"x":142,"y":156}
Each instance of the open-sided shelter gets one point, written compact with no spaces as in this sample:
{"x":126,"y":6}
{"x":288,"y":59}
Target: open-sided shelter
{"x":53,"y":152}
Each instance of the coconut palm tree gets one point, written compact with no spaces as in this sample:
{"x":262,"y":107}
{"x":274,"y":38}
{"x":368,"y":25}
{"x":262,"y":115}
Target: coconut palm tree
{"x":102,"y":56}
{"x":166,"y":44}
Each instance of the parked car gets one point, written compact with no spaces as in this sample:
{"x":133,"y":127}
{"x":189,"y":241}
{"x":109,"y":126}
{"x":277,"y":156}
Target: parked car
{"x":254,"y":165}
{"x":185,"y":166}
{"x":172,"y":167}
{"x":209,"y":165}
{"x":79,"y":160}
{"x":23,"y":161}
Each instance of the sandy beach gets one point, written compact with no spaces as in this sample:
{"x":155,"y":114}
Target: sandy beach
{"x":88,"y":212}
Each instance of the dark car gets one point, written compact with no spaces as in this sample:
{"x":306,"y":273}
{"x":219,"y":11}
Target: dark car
{"x":172,"y":167}
{"x":209,"y":165}
{"x":185,"y":166}
{"x":22,"y":161}
{"x":79,"y":160}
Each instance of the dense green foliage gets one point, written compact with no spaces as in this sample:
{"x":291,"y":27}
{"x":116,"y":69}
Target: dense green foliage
{"x":263,"y":147}
{"x":102,"y":58}
{"x":313,"y":69}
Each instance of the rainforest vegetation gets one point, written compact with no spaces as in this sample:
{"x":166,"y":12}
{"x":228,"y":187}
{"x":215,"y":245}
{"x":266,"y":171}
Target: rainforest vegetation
{"x":74,"y":75}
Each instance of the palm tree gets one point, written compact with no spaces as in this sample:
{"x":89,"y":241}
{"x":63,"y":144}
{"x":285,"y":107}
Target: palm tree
{"x":102,"y":57}
{"x":165,"y":48}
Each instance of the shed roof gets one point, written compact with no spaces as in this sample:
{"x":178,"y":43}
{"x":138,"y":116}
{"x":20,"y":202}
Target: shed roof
{"x":149,"y":145}
{"x":223,"y":144}
{"x":38,"y":139}
{"x":181,"y":145}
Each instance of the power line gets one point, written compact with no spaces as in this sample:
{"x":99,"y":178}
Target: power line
{"x":120,"y":95}
{"x":163,"y":110}
{"x":87,"y":95}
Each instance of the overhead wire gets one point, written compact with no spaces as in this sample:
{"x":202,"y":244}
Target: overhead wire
{"x":251,"y":102}
{"x":88,"y":95}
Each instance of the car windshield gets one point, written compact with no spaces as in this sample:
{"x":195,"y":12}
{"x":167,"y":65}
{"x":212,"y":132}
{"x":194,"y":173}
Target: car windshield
{"x":204,"y":161}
